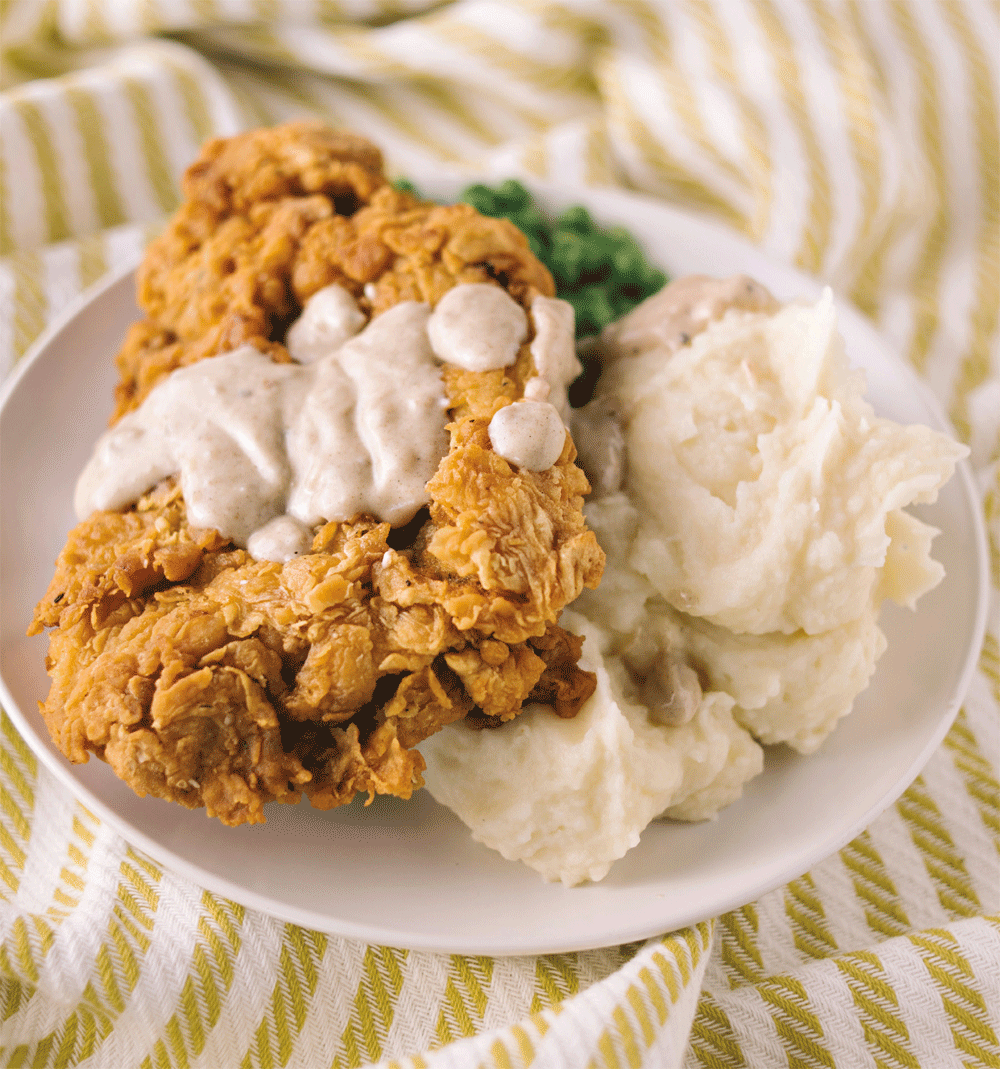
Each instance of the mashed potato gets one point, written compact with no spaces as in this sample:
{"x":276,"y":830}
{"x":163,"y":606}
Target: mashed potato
{"x":763,"y":478}
{"x":569,"y":797}
{"x":751,"y":506}
{"x":772,"y":678}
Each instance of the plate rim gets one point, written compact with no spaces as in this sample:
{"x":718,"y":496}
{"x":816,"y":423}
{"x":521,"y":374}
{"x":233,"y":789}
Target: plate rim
{"x":376,"y":934}
{"x":59,"y":323}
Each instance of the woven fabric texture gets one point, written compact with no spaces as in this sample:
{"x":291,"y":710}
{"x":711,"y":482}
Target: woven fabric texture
{"x":856,"y":139}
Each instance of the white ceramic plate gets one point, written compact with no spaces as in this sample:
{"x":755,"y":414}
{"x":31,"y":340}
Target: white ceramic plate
{"x":407,"y":873}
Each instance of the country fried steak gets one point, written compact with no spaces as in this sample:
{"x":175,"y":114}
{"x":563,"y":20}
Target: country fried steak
{"x":212,"y":679}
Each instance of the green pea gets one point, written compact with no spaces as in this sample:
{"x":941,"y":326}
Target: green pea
{"x":568,"y":255}
{"x":512,"y":195}
{"x":628,"y":265}
{"x":603,"y":273}
{"x":598,"y":251}
{"x":577,"y":219}
{"x":623,"y":238}
{"x":404,"y":185}
{"x":598,"y":306}
{"x":538,"y":245}
{"x":482,"y":198}
{"x":528,"y":217}
{"x":653,"y":281}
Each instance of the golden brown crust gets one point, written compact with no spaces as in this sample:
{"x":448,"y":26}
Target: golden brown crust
{"x":211,"y":679}
{"x":271,"y":217}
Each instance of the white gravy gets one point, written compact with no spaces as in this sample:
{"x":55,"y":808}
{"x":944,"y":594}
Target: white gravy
{"x":478,"y":327}
{"x":530,"y":434}
{"x":329,"y":318}
{"x":672,"y":317}
{"x":254,"y":440}
{"x":553,"y":351}
{"x":370,"y":433}
{"x":281,"y":539}
{"x":265,"y":452}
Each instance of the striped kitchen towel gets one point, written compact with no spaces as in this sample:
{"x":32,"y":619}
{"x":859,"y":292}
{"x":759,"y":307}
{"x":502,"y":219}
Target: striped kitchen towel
{"x":857,"y":139}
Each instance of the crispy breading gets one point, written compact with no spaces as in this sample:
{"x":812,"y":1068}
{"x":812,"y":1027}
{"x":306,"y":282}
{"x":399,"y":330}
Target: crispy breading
{"x":218,"y":277}
{"x":271,"y":217}
{"x":209,"y":678}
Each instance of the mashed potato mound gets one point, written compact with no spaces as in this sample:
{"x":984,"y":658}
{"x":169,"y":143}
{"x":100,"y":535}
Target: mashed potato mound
{"x":569,"y":797}
{"x":787,"y":688}
{"x":772,"y":678}
{"x":751,"y":506}
{"x":763,"y":477}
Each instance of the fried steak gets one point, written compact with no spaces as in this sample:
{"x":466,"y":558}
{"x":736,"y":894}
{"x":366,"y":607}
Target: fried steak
{"x":211,"y":679}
